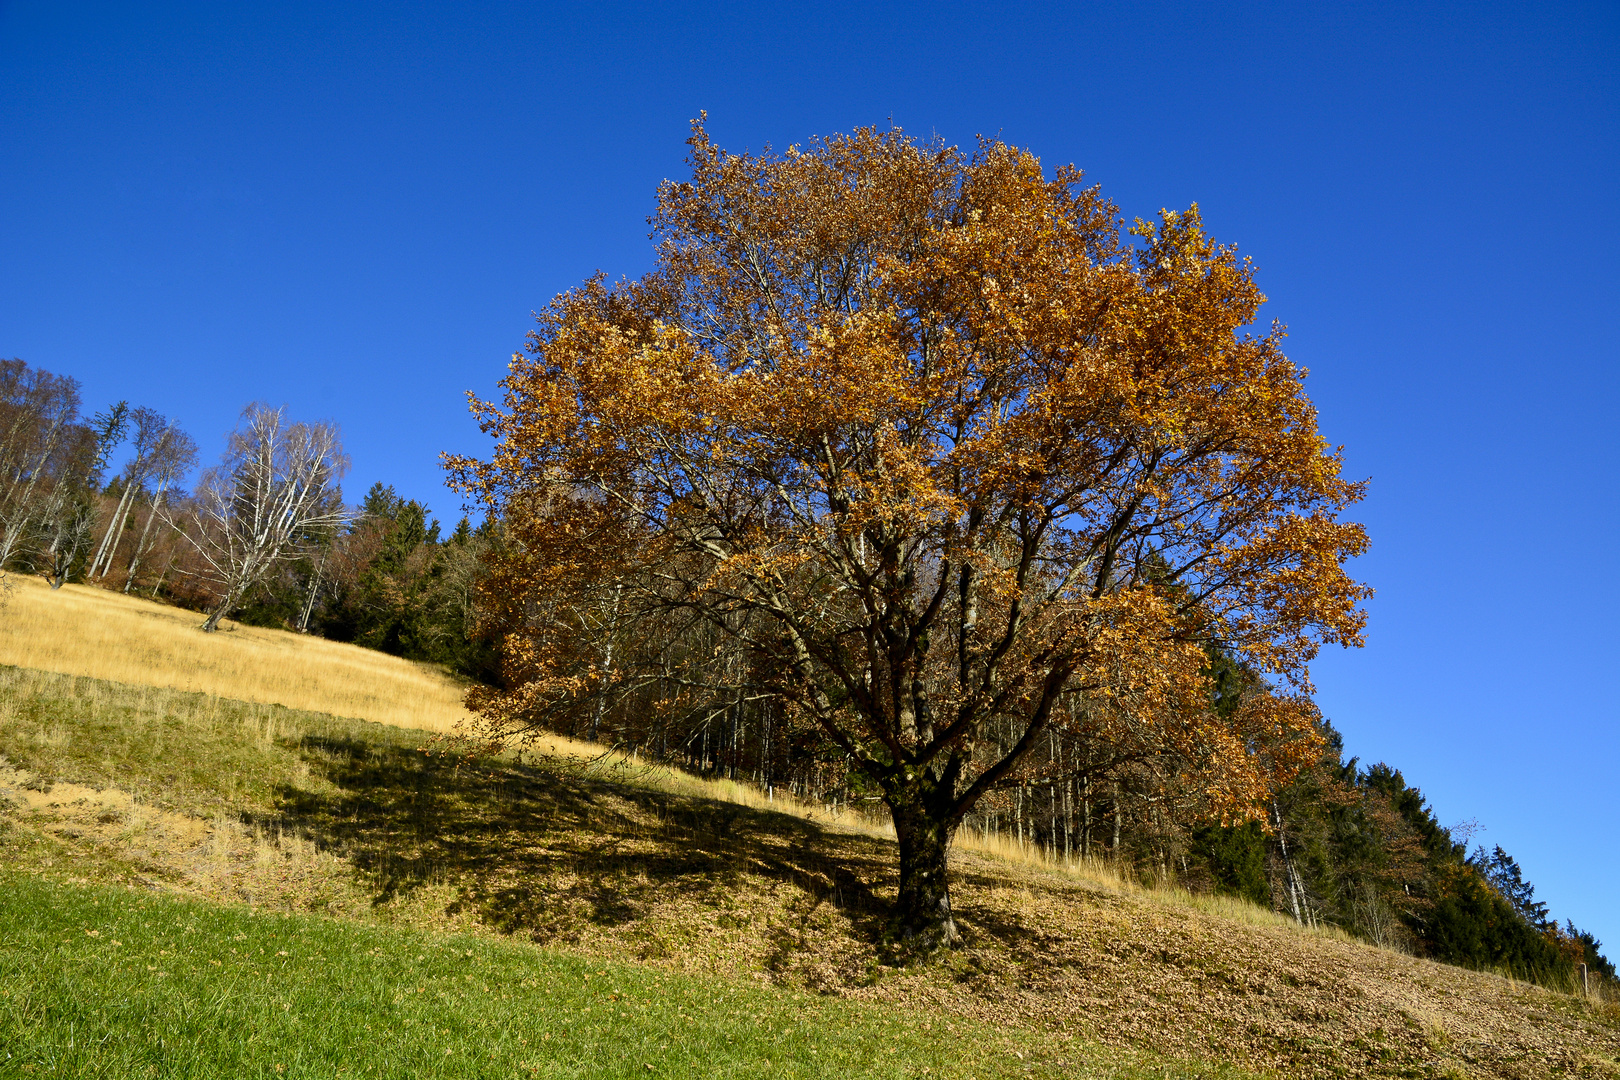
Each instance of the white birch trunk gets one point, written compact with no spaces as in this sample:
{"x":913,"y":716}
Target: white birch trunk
{"x":140,"y":545}
{"x":113,"y":528}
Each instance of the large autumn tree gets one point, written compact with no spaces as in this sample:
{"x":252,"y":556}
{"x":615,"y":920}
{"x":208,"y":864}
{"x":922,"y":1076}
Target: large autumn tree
{"x":944,"y":455}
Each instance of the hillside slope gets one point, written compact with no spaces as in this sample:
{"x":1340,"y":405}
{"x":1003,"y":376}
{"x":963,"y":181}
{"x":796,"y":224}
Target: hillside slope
{"x":202,"y":795}
{"x":80,"y":630}
{"x":211,"y":798}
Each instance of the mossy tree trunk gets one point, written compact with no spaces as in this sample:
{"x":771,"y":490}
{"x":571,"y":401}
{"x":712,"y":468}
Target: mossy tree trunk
{"x":923,"y":918}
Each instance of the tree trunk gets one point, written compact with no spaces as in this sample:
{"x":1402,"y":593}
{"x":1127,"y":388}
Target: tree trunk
{"x":58,"y":572}
{"x":1117,"y":819}
{"x":112,"y":551}
{"x":115,"y":527}
{"x":1085,"y":810}
{"x":163,"y":576}
{"x":736,"y":733}
{"x":309,"y":601}
{"x":765,"y":756}
{"x":923,"y":910}
{"x":1068,"y":819}
{"x":212,"y":622}
{"x":140,"y":545}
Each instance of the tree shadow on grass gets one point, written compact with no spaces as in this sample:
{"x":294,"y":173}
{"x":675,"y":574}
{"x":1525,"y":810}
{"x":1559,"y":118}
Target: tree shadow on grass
{"x":538,"y":848}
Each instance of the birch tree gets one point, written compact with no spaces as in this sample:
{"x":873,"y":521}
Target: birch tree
{"x":275,"y":484}
{"x":150,"y":428}
{"x":174,"y":457}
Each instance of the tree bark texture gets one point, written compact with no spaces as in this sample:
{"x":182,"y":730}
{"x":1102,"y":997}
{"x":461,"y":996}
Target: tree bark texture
{"x":923,"y":918}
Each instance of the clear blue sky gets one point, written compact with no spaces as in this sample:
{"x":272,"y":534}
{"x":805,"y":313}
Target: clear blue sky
{"x":353,"y":209}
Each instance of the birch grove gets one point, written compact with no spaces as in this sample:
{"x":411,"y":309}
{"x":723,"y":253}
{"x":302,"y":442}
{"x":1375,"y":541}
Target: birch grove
{"x":50,"y":463}
{"x":39,"y":431}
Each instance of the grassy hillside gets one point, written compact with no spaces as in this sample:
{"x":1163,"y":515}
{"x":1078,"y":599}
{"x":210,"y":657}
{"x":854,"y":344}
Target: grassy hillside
{"x":196,"y":795}
{"x":80,"y":630}
{"x":188,"y":800}
{"x":187,"y":794}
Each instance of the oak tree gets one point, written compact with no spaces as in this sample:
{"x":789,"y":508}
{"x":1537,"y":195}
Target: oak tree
{"x":944,"y":456}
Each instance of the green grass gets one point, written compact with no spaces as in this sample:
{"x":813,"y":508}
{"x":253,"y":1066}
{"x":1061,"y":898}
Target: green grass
{"x":108,"y":982}
{"x":184,"y":751}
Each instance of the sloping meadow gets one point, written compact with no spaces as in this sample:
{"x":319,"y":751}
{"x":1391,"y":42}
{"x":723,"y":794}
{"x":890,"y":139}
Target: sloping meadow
{"x":277,"y":810}
{"x":82,"y":630}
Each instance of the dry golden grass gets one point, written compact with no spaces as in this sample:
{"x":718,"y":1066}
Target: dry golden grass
{"x":85,"y":631}
{"x":80,"y":630}
{"x":1097,"y":874}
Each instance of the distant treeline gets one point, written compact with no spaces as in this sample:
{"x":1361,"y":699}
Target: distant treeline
{"x":1358,"y":847}
{"x":1340,"y":844}
{"x":53,"y":519}
{"x":379,"y":575}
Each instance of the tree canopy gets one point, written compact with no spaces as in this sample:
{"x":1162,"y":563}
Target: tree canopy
{"x":930,"y":449}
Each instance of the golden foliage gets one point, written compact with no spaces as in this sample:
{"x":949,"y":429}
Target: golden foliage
{"x":951,"y":456}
